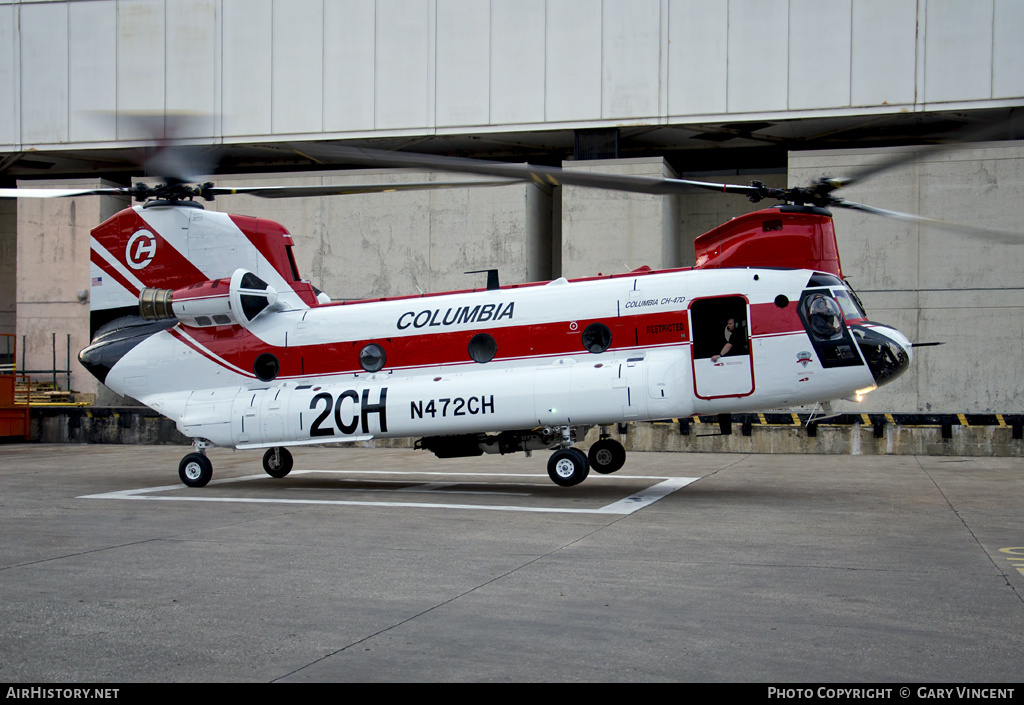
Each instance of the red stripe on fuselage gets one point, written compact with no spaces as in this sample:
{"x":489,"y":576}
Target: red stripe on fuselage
{"x":235,"y":347}
{"x":769,"y":319}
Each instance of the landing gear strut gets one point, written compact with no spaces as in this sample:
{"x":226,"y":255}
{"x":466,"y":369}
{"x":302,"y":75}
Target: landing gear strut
{"x":570,"y":466}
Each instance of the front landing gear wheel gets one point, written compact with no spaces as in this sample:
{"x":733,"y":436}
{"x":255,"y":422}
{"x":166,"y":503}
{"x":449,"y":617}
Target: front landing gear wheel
{"x":277,"y":462}
{"x":195,"y":470}
{"x":606,"y":456}
{"x":568,"y":467}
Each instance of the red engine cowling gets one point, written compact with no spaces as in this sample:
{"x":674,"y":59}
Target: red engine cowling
{"x":797,"y":237}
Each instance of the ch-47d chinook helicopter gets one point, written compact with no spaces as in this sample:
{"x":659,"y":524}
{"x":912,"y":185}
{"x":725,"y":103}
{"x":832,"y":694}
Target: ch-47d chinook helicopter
{"x":241,"y":352}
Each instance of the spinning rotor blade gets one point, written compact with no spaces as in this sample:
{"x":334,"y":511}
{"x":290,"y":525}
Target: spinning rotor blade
{"x":525,"y":172}
{"x":1006,"y":237}
{"x":61,"y":192}
{"x":1000,"y":130}
{"x":208,"y":191}
{"x":346,"y":189}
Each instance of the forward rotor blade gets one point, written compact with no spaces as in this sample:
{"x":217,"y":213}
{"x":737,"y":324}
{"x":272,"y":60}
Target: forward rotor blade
{"x":992,"y":234}
{"x":995,"y":131}
{"x":61,"y":192}
{"x":345,"y":189}
{"x":527,"y":172}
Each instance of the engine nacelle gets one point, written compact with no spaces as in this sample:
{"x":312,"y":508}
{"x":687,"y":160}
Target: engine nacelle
{"x":219,"y":302}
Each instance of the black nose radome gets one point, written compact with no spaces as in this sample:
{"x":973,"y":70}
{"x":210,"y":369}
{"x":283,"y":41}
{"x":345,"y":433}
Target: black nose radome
{"x":887,"y":359}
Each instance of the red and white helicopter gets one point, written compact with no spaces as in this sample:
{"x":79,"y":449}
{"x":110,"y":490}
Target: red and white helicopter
{"x":240,"y":351}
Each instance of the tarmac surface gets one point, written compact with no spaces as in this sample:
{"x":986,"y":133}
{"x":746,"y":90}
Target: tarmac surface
{"x":392,"y":565}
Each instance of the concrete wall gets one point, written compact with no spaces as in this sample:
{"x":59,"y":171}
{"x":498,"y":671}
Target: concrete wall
{"x":936,"y":284}
{"x":406,"y":242}
{"x":605,"y":232}
{"x":53,"y":277}
{"x":264,"y":70}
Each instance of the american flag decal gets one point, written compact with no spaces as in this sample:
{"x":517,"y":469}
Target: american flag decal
{"x":97,"y":281}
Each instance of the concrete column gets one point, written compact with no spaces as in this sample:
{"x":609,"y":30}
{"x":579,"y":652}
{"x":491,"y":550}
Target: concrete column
{"x":606,"y":232}
{"x":8,"y":266}
{"x":52,"y":282}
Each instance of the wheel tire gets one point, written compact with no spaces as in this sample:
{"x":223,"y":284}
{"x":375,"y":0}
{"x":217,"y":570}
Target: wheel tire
{"x":195,"y":470}
{"x":568,"y":467}
{"x":606,"y":456}
{"x":280,"y":465}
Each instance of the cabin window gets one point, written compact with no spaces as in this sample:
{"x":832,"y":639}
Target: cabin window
{"x":597,"y":338}
{"x":483,"y":347}
{"x":266,"y":367}
{"x":372,"y":357}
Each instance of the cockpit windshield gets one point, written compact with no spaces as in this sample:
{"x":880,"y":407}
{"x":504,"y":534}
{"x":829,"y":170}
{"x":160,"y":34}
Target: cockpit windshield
{"x":851,"y":308}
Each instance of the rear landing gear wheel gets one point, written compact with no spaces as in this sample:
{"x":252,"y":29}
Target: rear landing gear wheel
{"x":195,"y":470}
{"x":568,"y":467}
{"x":606,"y":456}
{"x":277,"y":462}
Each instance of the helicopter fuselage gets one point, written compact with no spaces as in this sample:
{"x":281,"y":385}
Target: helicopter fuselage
{"x":241,"y":352}
{"x":598,"y":351}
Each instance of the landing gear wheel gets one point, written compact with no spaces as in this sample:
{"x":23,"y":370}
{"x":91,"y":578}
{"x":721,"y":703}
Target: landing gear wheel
{"x":277,"y":462}
{"x":606,"y":456}
{"x":568,"y":467}
{"x":195,"y":470}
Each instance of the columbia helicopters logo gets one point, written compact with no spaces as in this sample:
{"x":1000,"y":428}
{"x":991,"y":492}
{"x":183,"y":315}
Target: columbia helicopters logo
{"x":141,"y":249}
{"x":804,"y":358}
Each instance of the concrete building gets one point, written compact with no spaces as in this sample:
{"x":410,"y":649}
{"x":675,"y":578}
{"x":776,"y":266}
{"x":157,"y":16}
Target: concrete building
{"x":783,"y":92}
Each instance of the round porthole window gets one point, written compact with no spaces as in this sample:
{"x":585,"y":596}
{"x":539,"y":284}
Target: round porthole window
{"x":597,"y":337}
{"x":483,"y":347}
{"x":372,"y":357}
{"x":266,"y":367}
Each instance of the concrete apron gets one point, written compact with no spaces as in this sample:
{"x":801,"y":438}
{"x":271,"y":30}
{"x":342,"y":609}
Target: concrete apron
{"x":144,"y":427}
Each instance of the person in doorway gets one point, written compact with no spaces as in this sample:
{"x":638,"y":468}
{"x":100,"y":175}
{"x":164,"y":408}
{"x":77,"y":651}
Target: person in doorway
{"x":732,"y":341}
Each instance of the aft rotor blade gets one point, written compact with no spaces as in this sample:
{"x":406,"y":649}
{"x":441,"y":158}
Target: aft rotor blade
{"x":61,"y":192}
{"x":545,"y":175}
{"x":993,"y":234}
{"x":345,"y":189}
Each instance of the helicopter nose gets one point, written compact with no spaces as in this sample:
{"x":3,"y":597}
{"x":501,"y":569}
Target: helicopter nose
{"x":108,"y":347}
{"x":886,"y":350}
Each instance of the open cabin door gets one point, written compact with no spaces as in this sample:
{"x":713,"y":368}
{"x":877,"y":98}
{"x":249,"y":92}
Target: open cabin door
{"x":722,"y":365}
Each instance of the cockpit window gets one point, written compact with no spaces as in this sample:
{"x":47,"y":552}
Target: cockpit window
{"x":851,"y":310}
{"x":824,"y":316}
